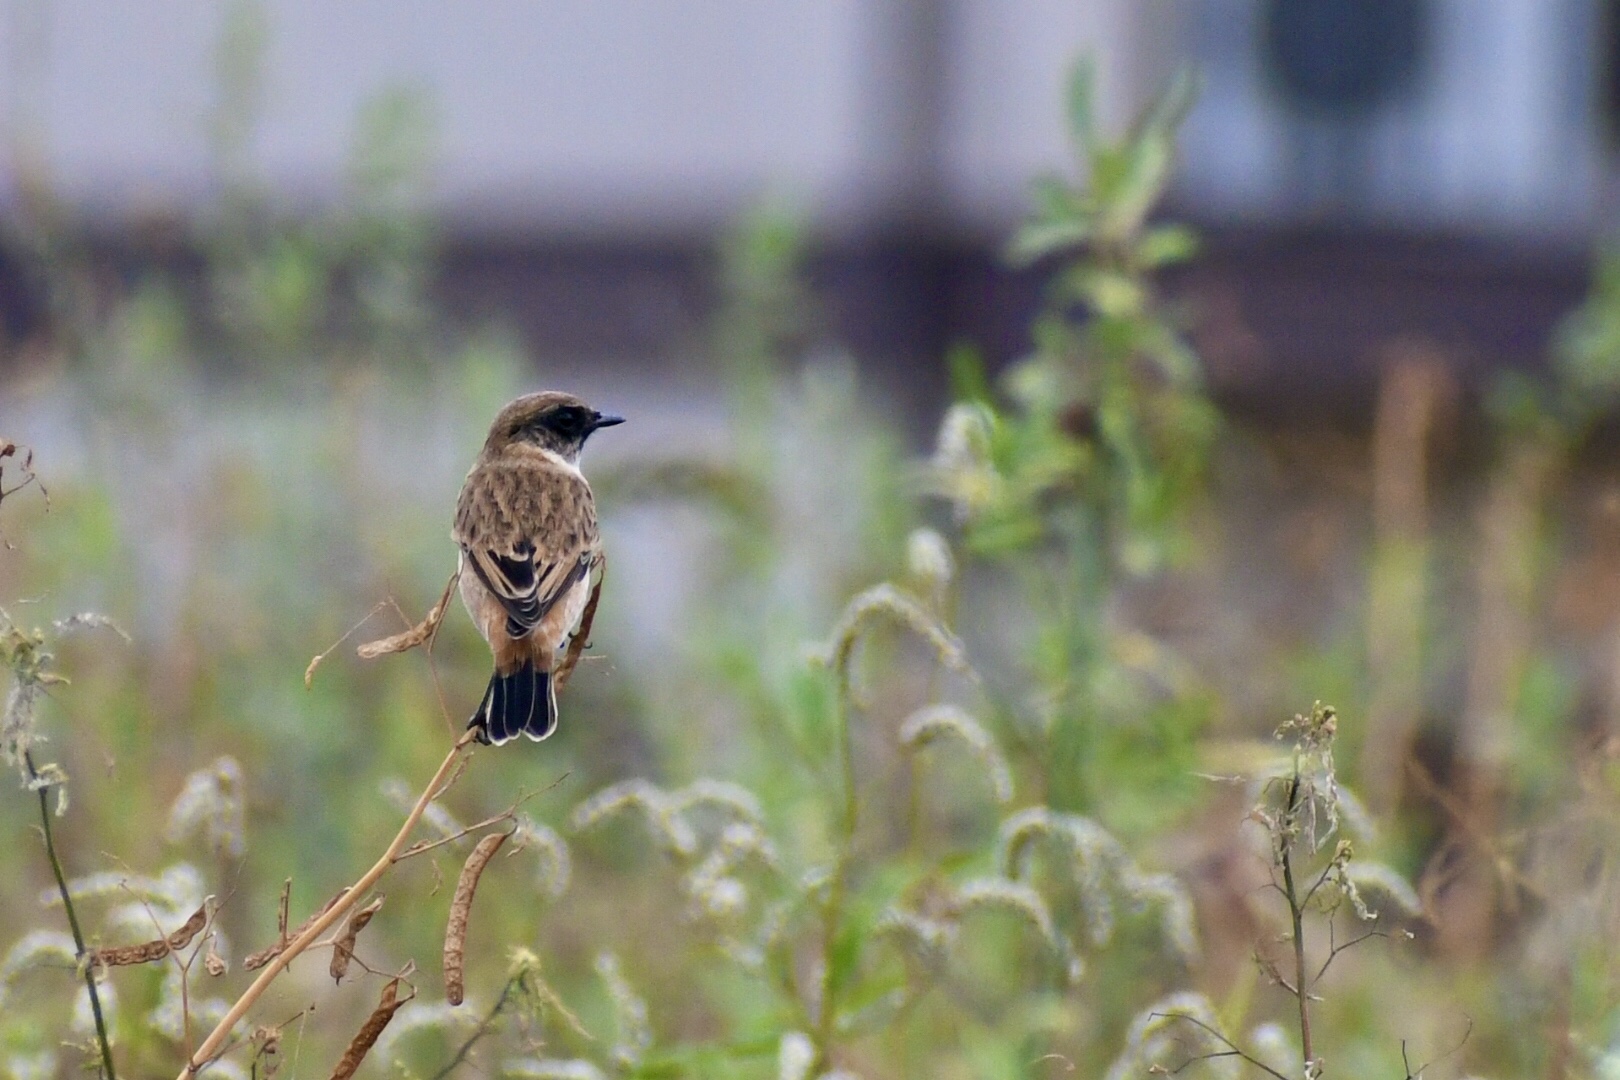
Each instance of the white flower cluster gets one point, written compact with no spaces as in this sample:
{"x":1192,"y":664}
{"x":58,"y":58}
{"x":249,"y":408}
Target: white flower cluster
{"x":211,"y":802}
{"x":1100,"y":869}
{"x":632,"y":1033}
{"x":35,"y":949}
{"x":713,"y":829}
{"x":935,"y":722}
{"x":556,"y":865}
{"x":961,"y":470}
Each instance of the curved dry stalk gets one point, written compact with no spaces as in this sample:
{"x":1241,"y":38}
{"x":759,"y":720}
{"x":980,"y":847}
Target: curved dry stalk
{"x":320,"y":657}
{"x":509,"y":814}
{"x":484,"y":1027}
{"x":1232,"y":1048}
{"x":582,"y":633}
{"x":1462,"y":1042}
{"x":222,"y":1030}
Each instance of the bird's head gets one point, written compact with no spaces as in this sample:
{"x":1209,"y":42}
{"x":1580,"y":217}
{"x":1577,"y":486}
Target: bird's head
{"x":549,"y":420}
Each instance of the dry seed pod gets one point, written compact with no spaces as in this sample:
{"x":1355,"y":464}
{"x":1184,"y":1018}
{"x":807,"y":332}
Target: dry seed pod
{"x":143,"y":953}
{"x":343,"y":950}
{"x":398,"y":643}
{"x":182,"y":937}
{"x":157,"y":948}
{"x":270,"y":952}
{"x":455,"y":932}
{"x":366,"y":1037}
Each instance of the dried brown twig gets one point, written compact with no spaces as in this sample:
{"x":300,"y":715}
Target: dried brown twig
{"x":24,"y":458}
{"x":277,"y":957}
{"x":581,"y":639}
{"x":257,"y":960}
{"x":340,"y":907}
{"x":1468,"y":1033}
{"x":174,"y":946}
{"x":1296,"y":915}
{"x":1232,"y":1049}
{"x":510,"y":814}
{"x":320,"y":658}
{"x":282,"y":912}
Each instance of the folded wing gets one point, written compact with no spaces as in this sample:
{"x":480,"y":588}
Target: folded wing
{"x":529,"y":533}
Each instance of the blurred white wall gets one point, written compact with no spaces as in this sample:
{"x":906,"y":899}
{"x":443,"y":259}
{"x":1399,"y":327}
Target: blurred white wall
{"x":651,"y":116}
{"x":574,"y":114}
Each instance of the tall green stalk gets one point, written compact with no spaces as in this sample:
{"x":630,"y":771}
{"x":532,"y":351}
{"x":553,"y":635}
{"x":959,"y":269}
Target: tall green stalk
{"x":79,"y":950}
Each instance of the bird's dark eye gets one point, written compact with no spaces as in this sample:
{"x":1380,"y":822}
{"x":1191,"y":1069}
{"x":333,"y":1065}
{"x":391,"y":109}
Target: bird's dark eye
{"x":569,"y":421}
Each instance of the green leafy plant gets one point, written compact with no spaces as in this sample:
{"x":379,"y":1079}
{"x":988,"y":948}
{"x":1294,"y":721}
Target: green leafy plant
{"x":1087,"y":477}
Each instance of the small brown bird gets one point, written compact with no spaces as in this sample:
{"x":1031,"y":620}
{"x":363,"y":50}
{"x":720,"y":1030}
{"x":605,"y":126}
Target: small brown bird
{"x":526,"y":523}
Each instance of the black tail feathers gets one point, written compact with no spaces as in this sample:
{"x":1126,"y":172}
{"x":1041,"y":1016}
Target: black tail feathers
{"x":522,"y":702}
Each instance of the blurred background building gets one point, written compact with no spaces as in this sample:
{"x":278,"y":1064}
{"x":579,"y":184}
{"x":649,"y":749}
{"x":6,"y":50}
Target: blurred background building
{"x":1364,"y":170}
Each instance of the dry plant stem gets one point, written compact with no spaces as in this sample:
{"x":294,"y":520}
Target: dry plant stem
{"x":73,"y":923}
{"x":484,"y":1028}
{"x":1233,"y":1050}
{"x":1335,"y":949}
{"x":582,"y":634}
{"x":222,"y":1031}
{"x":320,"y":658}
{"x":423,"y":846}
{"x":1296,"y":913}
{"x":255,"y":961}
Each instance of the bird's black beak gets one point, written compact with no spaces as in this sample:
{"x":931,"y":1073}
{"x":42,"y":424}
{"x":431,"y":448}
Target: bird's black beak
{"x":603,"y":421}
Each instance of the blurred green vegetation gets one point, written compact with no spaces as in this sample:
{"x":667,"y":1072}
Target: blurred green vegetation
{"x":922,"y":781}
